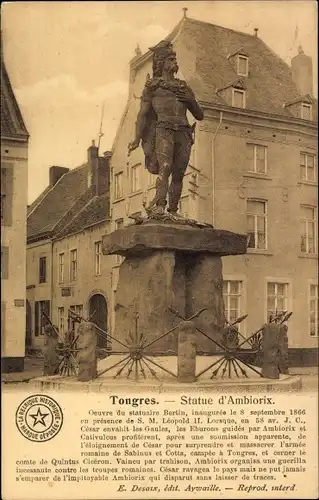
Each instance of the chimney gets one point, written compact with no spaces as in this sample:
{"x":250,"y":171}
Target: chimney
{"x":256,"y":31}
{"x":93,"y":160}
{"x":301,"y":66}
{"x":55,"y":173}
{"x":99,"y":170}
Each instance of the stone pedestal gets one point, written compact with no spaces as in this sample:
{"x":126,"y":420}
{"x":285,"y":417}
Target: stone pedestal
{"x":87,"y":356}
{"x":283,"y":349}
{"x":170,"y":266}
{"x":270,"y":351}
{"x":51,"y":359}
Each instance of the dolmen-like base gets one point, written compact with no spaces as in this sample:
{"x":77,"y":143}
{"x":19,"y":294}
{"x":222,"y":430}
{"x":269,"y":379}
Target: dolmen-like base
{"x":170,"y":266}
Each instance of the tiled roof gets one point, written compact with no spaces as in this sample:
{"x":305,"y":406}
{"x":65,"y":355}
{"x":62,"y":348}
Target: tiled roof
{"x":95,"y":211}
{"x":12,"y":124}
{"x":269,"y":84}
{"x":57,"y":202}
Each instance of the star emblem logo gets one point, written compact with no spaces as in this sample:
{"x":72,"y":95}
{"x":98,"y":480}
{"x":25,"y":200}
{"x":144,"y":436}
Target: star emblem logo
{"x":39,"y":417}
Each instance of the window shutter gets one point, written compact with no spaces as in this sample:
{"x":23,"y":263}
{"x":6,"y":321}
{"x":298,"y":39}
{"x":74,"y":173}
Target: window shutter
{"x":4,"y":262}
{"x":36,"y":318}
{"x":3,"y":321}
{"x":7,"y":192}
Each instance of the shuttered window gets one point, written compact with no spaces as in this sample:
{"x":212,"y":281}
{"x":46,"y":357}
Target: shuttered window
{"x":6,"y":193}
{"x":4,"y":263}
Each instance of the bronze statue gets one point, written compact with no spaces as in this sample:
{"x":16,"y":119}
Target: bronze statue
{"x":163,"y":128}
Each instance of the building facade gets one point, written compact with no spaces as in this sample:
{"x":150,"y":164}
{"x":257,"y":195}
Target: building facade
{"x":65,"y":270}
{"x":253,"y":170}
{"x":14,"y":181}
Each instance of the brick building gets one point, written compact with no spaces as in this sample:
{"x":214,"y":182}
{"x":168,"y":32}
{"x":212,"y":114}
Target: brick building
{"x":64,"y":265}
{"x":253,"y":170}
{"x":14,"y":181}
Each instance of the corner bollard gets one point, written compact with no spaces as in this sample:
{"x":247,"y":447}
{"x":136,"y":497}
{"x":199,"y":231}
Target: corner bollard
{"x":87,"y":357}
{"x":270,"y":351}
{"x":283,"y":349}
{"x":51,"y":359}
{"x":186,"y":358}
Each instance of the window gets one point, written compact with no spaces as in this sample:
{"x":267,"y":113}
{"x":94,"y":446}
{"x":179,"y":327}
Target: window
{"x":89,"y":179}
{"x":74,"y":325}
{"x":135,"y":178}
{"x":232,"y":293}
{"x":308,"y":229}
{"x":97,"y":257}
{"x":239,"y":98}
{"x":277,"y":298}
{"x":313,"y":311}
{"x":151,"y":179}
{"x":77,"y":310}
{"x":6,"y":194}
{"x":257,"y":158}
{"x":257,"y":224}
{"x":42,"y":270}
{"x":306,"y":111}
{"x":61,"y":267}
{"x":61,"y":325}
{"x":184,"y":207}
{"x":307,"y":167}
{"x":242,"y":65}
{"x":119,"y":224}
{"x":40,"y":307}
{"x":74,"y":264}
{"x":118,"y":185}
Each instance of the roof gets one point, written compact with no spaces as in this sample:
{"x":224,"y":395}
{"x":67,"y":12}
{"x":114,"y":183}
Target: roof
{"x":94,"y":212}
{"x":12,"y":124}
{"x":269,"y":84}
{"x":54,"y":205}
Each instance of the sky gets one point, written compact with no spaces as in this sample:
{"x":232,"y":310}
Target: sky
{"x":66,"y":59}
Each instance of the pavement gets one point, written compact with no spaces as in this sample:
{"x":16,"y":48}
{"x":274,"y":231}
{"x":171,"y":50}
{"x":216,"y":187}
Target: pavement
{"x":33,"y":368}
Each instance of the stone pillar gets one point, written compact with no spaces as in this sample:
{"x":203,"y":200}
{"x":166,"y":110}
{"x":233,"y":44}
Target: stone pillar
{"x":146,"y":286}
{"x":204,"y":289}
{"x":270,"y":351}
{"x":87,"y":356}
{"x":283,"y":349}
{"x":186,"y":357}
{"x":51,"y":359}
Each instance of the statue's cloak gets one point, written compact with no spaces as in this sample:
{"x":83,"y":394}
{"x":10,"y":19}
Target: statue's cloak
{"x":149,"y":142}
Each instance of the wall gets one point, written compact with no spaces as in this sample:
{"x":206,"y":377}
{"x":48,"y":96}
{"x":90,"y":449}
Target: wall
{"x":284,"y":192}
{"x":14,"y":236}
{"x":87,"y":282}
{"x":38,"y":291}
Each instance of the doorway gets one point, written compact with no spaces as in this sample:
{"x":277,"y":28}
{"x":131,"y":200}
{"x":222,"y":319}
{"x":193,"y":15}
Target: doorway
{"x":98,"y":315}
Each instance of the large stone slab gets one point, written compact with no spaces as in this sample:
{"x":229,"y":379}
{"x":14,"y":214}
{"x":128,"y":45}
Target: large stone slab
{"x":138,"y":239}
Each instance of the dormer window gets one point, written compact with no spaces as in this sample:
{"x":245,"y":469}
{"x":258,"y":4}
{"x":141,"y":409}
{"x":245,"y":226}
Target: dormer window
{"x":242,"y":65}
{"x":238,"y":98}
{"x":306,"y":111}
{"x":234,"y":93}
{"x":301,"y":107}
